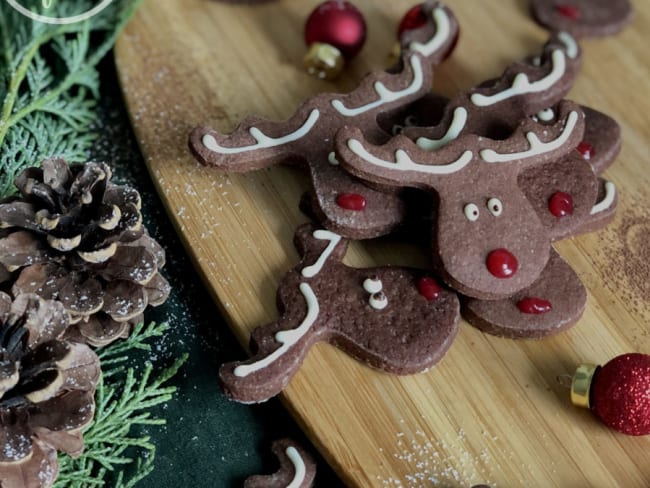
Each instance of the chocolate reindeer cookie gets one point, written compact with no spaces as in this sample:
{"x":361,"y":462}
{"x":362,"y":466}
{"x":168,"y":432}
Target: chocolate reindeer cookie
{"x":488,"y":241}
{"x":342,"y":203}
{"x":392,"y":318}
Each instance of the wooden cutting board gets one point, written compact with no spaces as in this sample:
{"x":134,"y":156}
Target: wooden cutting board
{"x":492,"y":410}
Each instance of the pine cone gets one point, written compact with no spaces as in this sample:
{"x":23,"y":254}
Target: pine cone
{"x":47,"y":387}
{"x":75,"y":237}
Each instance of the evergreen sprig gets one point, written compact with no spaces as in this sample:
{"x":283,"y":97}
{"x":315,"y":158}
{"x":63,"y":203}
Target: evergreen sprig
{"x":49,"y":83}
{"x":123,"y":401}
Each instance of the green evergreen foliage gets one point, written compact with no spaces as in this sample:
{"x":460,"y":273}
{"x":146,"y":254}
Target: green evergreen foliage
{"x":49,"y":83}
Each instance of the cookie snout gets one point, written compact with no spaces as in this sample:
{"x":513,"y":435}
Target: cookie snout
{"x":502,"y":263}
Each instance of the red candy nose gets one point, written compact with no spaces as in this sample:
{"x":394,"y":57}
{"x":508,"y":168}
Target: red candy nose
{"x":429,"y":288}
{"x":351,"y":201}
{"x":502,"y":263}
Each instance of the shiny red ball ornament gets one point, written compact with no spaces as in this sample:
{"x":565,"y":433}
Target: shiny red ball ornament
{"x":413,"y":19}
{"x":618,"y":393}
{"x":335,"y":32}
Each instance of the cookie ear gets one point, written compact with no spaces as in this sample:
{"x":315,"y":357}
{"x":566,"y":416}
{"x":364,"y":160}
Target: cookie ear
{"x":311,"y":242}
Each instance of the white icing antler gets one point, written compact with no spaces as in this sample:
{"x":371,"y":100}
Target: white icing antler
{"x":403,"y":161}
{"x":455,"y":128}
{"x":607,"y":201}
{"x":287,"y":338}
{"x":522,"y":85}
{"x":442,"y":34}
{"x":262,"y":140}
{"x":537,"y":147}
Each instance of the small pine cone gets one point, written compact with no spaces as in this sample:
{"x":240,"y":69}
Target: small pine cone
{"x":75,"y":237}
{"x":47,"y":387}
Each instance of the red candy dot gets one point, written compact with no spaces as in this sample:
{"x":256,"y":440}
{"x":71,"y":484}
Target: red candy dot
{"x":413,"y":19}
{"x":586,"y":150}
{"x":502,"y":263}
{"x":429,"y":288}
{"x":534,"y":306}
{"x":351,"y":201}
{"x":568,"y":11}
{"x":561,"y":204}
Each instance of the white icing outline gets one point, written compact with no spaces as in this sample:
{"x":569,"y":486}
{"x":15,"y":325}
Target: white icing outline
{"x":331,"y":158}
{"x":314,"y":269}
{"x":378,"y":303}
{"x":537,"y":147}
{"x":404,"y":163}
{"x":522,"y":85}
{"x":262,"y":141}
{"x":455,"y":128}
{"x":385,"y":95}
{"x":605,"y":203}
{"x":570,"y":43}
{"x":299,"y":467}
{"x":443,"y":30}
{"x":372,"y":286}
{"x":286,"y":338}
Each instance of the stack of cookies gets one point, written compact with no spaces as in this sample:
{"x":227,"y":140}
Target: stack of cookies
{"x":510,"y":165}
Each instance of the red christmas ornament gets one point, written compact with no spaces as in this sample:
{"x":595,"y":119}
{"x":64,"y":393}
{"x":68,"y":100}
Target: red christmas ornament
{"x":618,"y":393}
{"x":413,"y":19}
{"x":335,"y":32}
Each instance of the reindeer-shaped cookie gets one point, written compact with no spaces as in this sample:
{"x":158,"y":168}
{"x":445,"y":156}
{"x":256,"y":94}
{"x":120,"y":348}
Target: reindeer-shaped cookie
{"x":488,"y":240}
{"x":392,"y":318}
{"x":494,"y":108}
{"x":342,"y":203}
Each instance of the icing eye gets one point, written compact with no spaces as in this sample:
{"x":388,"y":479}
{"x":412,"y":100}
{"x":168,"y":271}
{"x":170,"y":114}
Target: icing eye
{"x":372,"y":285}
{"x":546,"y":115}
{"x":397,"y":129}
{"x":495,"y":206}
{"x":471,"y":212}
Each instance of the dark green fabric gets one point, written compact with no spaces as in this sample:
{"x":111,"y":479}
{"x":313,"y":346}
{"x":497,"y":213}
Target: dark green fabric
{"x":208,"y":441}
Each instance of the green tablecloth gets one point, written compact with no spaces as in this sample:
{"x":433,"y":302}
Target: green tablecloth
{"x":208,"y":441}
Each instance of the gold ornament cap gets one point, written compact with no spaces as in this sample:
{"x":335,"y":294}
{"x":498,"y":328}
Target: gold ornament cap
{"x":581,"y":384}
{"x":323,"y":61}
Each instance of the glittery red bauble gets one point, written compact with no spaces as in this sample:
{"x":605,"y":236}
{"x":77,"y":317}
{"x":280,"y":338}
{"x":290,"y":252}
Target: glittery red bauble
{"x":413,"y":19}
{"x":339,"y":24}
{"x":620,"y":394}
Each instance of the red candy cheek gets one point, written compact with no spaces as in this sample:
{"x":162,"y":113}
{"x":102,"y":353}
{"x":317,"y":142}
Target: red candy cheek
{"x":560,"y":204}
{"x":502,"y":263}
{"x":586,"y":150}
{"x":351,"y":201}
{"x":568,"y":11}
{"x":429,"y":288}
{"x":534,"y":306}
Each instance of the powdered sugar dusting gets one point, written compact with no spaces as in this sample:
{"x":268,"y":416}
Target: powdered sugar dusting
{"x":442,"y":461}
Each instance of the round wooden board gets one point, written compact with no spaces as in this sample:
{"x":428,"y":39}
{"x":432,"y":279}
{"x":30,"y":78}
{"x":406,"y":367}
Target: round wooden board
{"x":492,"y":410}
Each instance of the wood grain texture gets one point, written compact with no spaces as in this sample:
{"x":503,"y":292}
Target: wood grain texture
{"x":492,"y":410}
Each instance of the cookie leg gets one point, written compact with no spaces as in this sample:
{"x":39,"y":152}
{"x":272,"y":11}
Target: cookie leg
{"x":297,"y":468}
{"x":550,"y":305}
